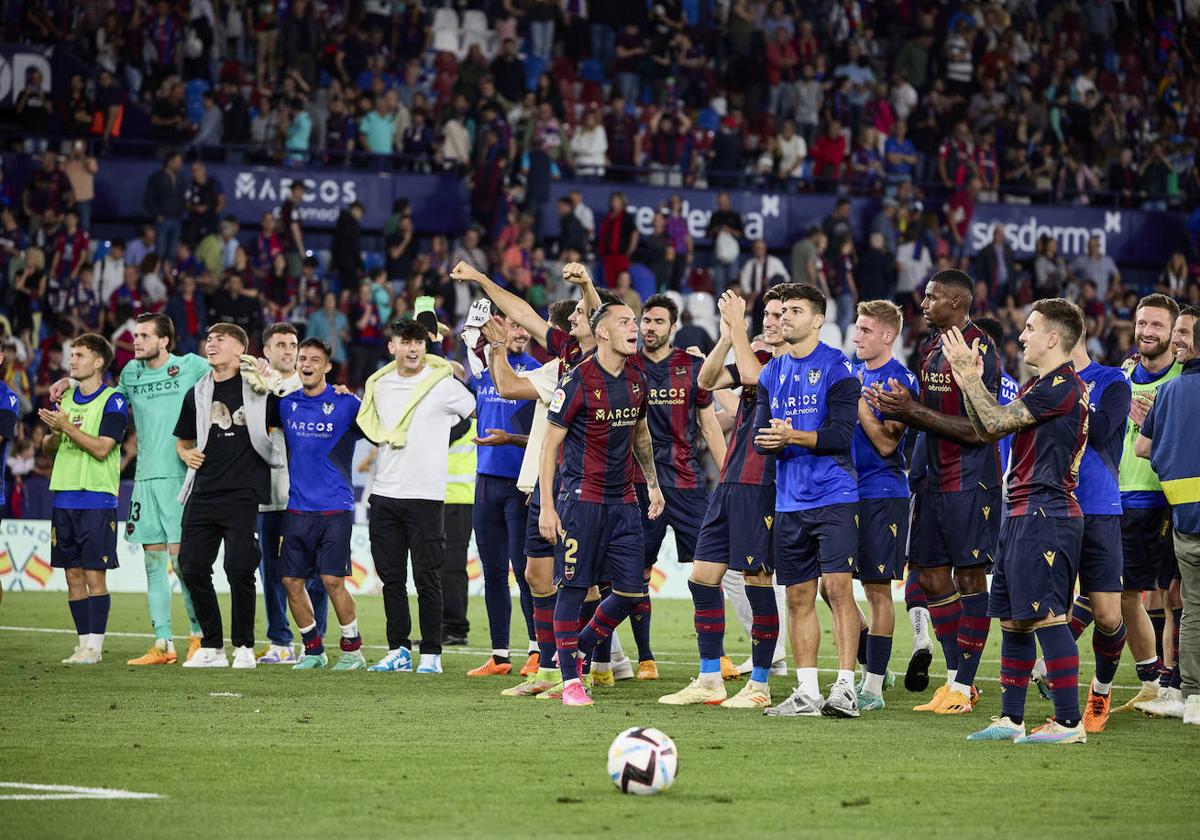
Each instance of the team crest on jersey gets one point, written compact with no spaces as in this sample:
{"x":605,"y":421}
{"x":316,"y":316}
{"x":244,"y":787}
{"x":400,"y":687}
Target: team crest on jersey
{"x":129,"y":526}
{"x":680,"y":371}
{"x":814,"y":376}
{"x":173,"y":370}
{"x":637,"y":389}
{"x":327,"y":408}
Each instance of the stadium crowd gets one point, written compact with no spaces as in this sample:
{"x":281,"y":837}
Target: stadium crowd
{"x":927,"y":108}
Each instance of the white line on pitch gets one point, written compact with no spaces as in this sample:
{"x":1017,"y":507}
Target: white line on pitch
{"x":45,"y":792}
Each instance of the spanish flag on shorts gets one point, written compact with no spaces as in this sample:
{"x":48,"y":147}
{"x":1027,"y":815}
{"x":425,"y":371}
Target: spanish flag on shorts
{"x":38,"y":569}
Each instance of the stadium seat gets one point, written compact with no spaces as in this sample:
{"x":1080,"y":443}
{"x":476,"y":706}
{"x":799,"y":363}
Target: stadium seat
{"x":831,"y":334}
{"x":641,"y":280}
{"x":445,"y":19}
{"x":535,"y":66}
{"x":701,"y":305}
{"x":475,"y":21}
{"x":831,"y":310}
{"x":591,"y":71}
{"x":445,"y":40}
{"x":678,"y":298}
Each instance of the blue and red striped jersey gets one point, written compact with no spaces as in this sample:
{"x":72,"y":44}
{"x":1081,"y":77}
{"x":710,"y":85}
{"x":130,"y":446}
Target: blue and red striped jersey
{"x":743,"y":465}
{"x":600,"y":412}
{"x":674,"y":418}
{"x":1045,"y":457}
{"x":952,"y":466}
{"x":563,"y":346}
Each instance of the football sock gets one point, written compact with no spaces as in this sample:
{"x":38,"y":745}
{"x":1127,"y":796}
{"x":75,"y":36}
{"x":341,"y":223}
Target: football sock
{"x":585,"y":616}
{"x":806,"y":678}
{"x":500,"y":656}
{"x":709,"y":621}
{"x":640,"y":622}
{"x":972,"y":636}
{"x":566,"y":629}
{"x":1108,"y":648}
{"x":612,"y":611}
{"x":944,"y":611}
{"x":604,"y":650}
{"x":158,"y":593}
{"x":314,"y":645}
{"x":1158,"y":618}
{"x":543,"y":626}
{"x":845,"y":676}
{"x":861,"y":656}
{"x":1017,"y":653}
{"x":1062,"y":671}
{"x":1149,"y":670}
{"x":764,"y":632}
{"x":914,"y":595}
{"x":351,"y":640}
{"x":187,"y":598}
{"x":79,"y":614}
{"x":98,"y":606}
{"x":1081,"y":615}
{"x":879,"y":651}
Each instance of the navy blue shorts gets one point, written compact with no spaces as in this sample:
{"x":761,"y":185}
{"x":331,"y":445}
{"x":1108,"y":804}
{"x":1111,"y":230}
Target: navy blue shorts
{"x":1149,"y":548}
{"x":736,"y":530}
{"x":957,"y":529}
{"x":815,"y":542}
{"x":316,"y":544}
{"x":882,"y":537}
{"x":1035,"y":571}
{"x":684,"y":512}
{"x":1100,"y":560}
{"x":83,"y":539}
{"x":535,"y":543}
{"x":600,"y":542}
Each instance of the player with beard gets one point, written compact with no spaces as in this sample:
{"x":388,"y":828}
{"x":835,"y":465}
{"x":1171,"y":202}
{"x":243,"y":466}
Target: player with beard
{"x":1146,"y":539}
{"x":678,"y":409}
{"x":598,"y":421}
{"x":736,"y":532}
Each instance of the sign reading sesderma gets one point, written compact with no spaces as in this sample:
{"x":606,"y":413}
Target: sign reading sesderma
{"x":1023,"y":237}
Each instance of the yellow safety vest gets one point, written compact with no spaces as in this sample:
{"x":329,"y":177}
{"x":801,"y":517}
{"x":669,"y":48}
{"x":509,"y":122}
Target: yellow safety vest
{"x":460,"y":480}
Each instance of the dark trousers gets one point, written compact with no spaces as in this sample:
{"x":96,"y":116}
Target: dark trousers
{"x":205,"y":526}
{"x":398,"y":527}
{"x":454,"y":570}
{"x":499,"y":520}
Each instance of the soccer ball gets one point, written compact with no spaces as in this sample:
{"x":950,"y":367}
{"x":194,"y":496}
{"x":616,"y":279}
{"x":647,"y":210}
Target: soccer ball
{"x":642,"y":761}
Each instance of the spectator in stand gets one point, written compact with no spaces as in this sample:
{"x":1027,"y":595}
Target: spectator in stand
{"x":1175,"y":276}
{"x":656,"y":253}
{"x":1097,"y":267}
{"x":621,"y":131}
{"x":760,"y":271}
{"x":164,"y":201}
{"x":377,"y":129}
{"x":109,"y":271}
{"x":808,"y":259}
{"x":48,"y":189}
{"x":508,"y":72}
{"x":346,"y":258}
{"x":876,"y":271}
{"x":330,"y":325}
{"x":866,"y":166}
{"x":263,"y":249}
{"x":138,"y":249}
{"x":913,"y":264}
{"x":589,"y":146}
{"x":725,"y":232}
{"x":1050,"y":274}
{"x":235,"y":304}
{"x":837,"y":227}
{"x":34,"y":110}
{"x":959,"y":212}
{"x":884,"y":224}
{"x":997,"y":266}
{"x":828,"y":155}
{"x":782,"y":71}
{"x":212,"y":123}
{"x":70,"y":254}
{"x":987,"y":166}
{"x":29,"y":282}
{"x":630,"y":50}
{"x":956,"y":158}
{"x":899,"y":155}
{"x":366,"y":336}
{"x":810,"y":96}
{"x":80,"y":169}
{"x":571,"y":235}
{"x":727,"y":157}
{"x":664,"y":148}
{"x":1155,"y":172}
{"x":129,"y":294}
{"x":203,"y":202}
{"x":790,"y":151}
{"x":617,"y":240}
{"x":189,"y":315}
{"x":1125,"y":180}
{"x":681,"y":241}
{"x":842,"y":283}
{"x":289,"y":225}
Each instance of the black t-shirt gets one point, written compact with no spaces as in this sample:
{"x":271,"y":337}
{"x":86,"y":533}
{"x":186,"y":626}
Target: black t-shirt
{"x":232,"y":471}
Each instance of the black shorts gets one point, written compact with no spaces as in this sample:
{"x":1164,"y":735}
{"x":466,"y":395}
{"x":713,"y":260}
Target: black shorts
{"x":1148,"y":547}
{"x":684,"y":512}
{"x":736,"y":530}
{"x":815,"y":542}
{"x":957,"y":529}
{"x":882,"y":537}
{"x":83,"y":539}
{"x":535,"y":543}
{"x":1036,"y":568}
{"x":600,"y":542}
{"x":1100,"y":560}
{"x":316,"y":544}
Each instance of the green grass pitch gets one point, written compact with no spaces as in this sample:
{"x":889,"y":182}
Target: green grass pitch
{"x":329,"y":755}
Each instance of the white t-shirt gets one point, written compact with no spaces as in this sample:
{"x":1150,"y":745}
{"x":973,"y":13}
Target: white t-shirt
{"x":545,"y":379}
{"x":911,"y":272}
{"x":419,"y":469}
{"x":791,"y":151}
